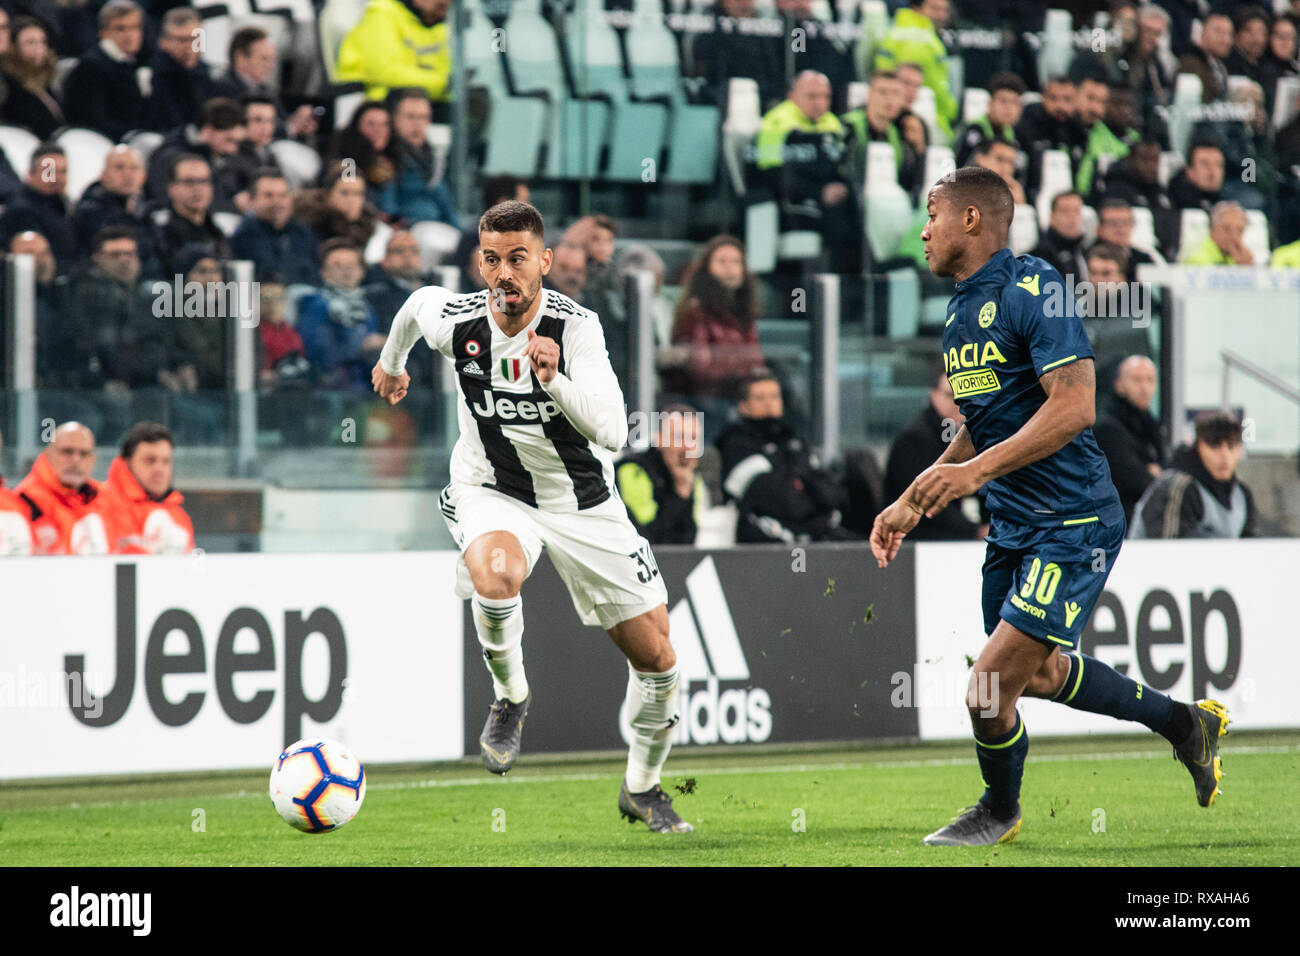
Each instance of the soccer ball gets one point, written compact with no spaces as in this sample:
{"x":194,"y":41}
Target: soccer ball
{"x":317,"y":785}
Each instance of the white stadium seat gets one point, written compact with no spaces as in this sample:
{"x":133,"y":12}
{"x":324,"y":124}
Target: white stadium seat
{"x":86,"y":151}
{"x":1195,"y":227}
{"x":1024,"y":230}
{"x":18,"y":145}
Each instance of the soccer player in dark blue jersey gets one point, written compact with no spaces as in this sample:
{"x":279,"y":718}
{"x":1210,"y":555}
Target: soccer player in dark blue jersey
{"x":1022,"y":373}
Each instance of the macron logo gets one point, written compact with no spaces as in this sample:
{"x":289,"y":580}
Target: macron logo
{"x":102,"y":909}
{"x":708,"y":649}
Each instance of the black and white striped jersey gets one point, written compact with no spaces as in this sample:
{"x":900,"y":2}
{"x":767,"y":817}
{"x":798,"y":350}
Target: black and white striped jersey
{"x":513,"y":436}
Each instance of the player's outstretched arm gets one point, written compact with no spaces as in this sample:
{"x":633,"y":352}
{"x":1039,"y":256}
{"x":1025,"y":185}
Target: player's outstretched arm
{"x":1069,"y":409}
{"x":893,"y":524}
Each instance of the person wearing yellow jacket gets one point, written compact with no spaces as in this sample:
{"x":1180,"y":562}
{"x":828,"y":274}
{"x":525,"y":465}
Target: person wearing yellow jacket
{"x":399,"y":43}
{"x":914,"y":38}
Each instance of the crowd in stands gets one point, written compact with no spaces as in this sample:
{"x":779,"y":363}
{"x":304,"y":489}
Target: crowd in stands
{"x":197,"y":176}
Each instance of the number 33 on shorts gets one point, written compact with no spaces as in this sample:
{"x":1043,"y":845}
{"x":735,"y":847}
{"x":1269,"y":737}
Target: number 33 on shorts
{"x":646,"y":569}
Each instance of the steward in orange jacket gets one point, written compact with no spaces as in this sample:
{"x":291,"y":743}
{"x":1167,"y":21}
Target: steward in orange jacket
{"x":142,"y":510}
{"x":63,"y":497}
{"x":15,"y":523}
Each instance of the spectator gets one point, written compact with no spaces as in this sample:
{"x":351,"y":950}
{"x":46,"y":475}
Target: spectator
{"x":1199,"y":184}
{"x":1286,"y":257}
{"x":418,"y":192}
{"x":1062,"y":244}
{"x":1108,"y":115}
{"x":1280,"y":60}
{"x":339,"y":330}
{"x":104,"y":91}
{"x":1206,"y":60}
{"x":660,"y":486}
{"x":141,"y":509}
{"x":875,"y":123}
{"x":389,"y":285}
{"x":214,"y":137}
{"x":42,"y":205}
{"x":399,"y":44}
{"x":811,"y":187}
{"x":1146,"y":74}
{"x":717,"y":320}
{"x":999,"y":123}
{"x":602,"y":291}
{"x":780,"y":489}
{"x":15,"y":522}
{"x":252,"y":71}
{"x":915,"y":133}
{"x":1200,"y":496}
{"x":1000,"y":156}
{"x":730,"y":50}
{"x":5,"y":45}
{"x":1129,"y":435}
{"x":367,"y":142}
{"x":1115,"y":225}
{"x":338,"y":209}
{"x":1225,"y":245}
{"x":30,"y":67}
{"x":916,"y":448}
{"x":62,"y":495}
{"x":1051,"y":124}
{"x":187,"y":218}
{"x":269,"y":237}
{"x":639,"y":257}
{"x":913,"y":38}
{"x":1106,"y":61}
{"x":568,"y":275}
{"x":259,"y":129}
{"x":821,"y":49}
{"x":1136,"y":180}
{"x":197,"y":338}
{"x":182,"y":82}
{"x":115,"y":199}
{"x":284,"y":362}
{"x":1250,"y":50}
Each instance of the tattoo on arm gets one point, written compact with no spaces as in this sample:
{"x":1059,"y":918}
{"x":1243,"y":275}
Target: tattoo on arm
{"x":1080,"y":374}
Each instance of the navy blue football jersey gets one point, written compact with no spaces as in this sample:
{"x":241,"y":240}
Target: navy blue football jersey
{"x":1008,"y":324}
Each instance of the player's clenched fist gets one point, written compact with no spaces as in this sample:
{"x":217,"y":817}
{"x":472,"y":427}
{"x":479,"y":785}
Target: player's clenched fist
{"x":889,"y":529}
{"x":391,"y":388}
{"x":544,"y":355}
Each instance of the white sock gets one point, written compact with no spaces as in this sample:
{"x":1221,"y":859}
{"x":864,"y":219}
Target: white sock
{"x":500,"y":627}
{"x":651,"y":710}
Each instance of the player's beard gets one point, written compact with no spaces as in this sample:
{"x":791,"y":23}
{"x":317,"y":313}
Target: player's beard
{"x":519,"y":308}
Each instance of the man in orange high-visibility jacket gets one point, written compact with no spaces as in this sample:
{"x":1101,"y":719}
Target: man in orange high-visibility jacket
{"x":15,"y":522}
{"x":142,"y":510}
{"x":63,"y":498}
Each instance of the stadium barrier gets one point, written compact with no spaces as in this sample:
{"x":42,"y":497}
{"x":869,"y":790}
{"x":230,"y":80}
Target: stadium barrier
{"x":215,"y":661}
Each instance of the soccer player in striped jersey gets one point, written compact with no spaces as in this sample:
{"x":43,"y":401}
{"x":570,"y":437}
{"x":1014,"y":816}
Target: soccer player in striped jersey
{"x":541,"y":414}
{"x":1021,"y":371}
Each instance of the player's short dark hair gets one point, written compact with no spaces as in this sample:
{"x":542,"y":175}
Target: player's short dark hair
{"x":513,"y":216}
{"x":221,"y":112}
{"x":1065,"y":195}
{"x":499,"y":188}
{"x":752,"y":379}
{"x":112,"y":234}
{"x":175,"y":163}
{"x":244,"y":39}
{"x":1006,"y":80}
{"x":1112,"y":252}
{"x":1217,"y":426}
{"x":142,"y":432}
{"x":983,"y":189}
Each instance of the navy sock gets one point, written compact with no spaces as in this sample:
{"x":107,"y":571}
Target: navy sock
{"x":1100,"y":689}
{"x":1002,"y":764}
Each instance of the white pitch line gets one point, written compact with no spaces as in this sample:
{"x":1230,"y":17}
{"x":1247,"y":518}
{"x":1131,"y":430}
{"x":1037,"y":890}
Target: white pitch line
{"x":705,"y":772}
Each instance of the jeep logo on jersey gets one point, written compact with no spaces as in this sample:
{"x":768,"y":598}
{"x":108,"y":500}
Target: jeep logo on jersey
{"x":511,"y":409}
{"x":709,"y":652}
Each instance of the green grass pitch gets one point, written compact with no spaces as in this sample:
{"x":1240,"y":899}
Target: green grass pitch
{"x":1087,"y":802}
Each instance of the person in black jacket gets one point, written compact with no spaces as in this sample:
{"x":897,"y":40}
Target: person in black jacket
{"x":1200,"y":496}
{"x":181,"y":80}
{"x":1062,"y":244}
{"x":42,"y":204}
{"x":270,"y":238}
{"x":1051,"y":124}
{"x":1129,"y":435}
{"x":660,"y":485}
{"x":916,"y":448}
{"x":103,"y":91}
{"x":780,"y":489}
{"x":115,"y":199}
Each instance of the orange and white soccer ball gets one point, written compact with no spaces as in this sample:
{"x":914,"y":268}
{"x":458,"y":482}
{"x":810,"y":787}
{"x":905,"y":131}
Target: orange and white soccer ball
{"x":317,"y":785}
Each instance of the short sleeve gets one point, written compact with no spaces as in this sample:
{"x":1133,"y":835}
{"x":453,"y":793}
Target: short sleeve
{"x":1043,"y":311}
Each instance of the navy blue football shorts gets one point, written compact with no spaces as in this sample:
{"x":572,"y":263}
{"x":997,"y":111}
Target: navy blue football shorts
{"x":1046,"y":581}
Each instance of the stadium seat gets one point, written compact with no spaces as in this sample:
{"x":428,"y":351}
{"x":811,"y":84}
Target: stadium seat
{"x":65,"y":65}
{"x":881,"y":165}
{"x":744,"y":119}
{"x":875,"y":24}
{"x":857,"y":94}
{"x":86,"y":151}
{"x":924,"y":107}
{"x":1194,"y":228}
{"x":346,"y":105}
{"x":483,"y":61}
{"x":939,"y":161}
{"x":903,"y":318}
{"x":336,"y":20}
{"x":1089,"y":217}
{"x":1171,"y":164}
{"x":377,"y":246}
{"x":18,"y":145}
{"x":1183,"y":111}
{"x":1024,"y":230}
{"x":218,"y":24}
{"x":888,"y":216}
{"x":1057,"y":51}
{"x":974,"y":103}
{"x":1285,"y":99}
{"x":1144,"y":229}
{"x":447,"y":276}
{"x":436,"y":240}
{"x":717,"y":527}
{"x":146,"y":141}
{"x":227,"y":222}
{"x":1056,"y":178}
{"x":1256,"y":236}
{"x":299,"y":162}
{"x":514,"y":137}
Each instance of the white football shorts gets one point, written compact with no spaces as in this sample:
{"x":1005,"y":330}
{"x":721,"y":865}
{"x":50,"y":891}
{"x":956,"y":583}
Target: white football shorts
{"x":605,"y":563}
